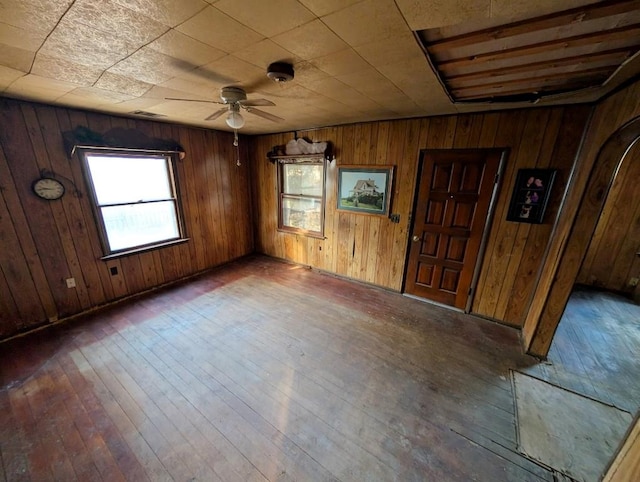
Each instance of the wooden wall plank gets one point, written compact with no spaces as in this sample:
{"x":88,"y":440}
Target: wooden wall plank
{"x":353,"y":244}
{"x":609,"y":262}
{"x":46,"y":242}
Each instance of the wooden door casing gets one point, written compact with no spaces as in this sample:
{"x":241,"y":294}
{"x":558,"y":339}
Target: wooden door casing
{"x":455,"y":188}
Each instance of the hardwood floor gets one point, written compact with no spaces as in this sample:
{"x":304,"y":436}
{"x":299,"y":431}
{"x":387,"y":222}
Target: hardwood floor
{"x":595,"y":350}
{"x":263,"y":370}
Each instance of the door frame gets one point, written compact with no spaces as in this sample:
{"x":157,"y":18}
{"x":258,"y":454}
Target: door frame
{"x":503,"y":152}
{"x":561,"y":269}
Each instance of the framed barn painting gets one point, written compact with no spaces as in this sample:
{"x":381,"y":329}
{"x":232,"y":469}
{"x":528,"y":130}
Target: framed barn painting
{"x":531,"y":195}
{"x":365,"y":189}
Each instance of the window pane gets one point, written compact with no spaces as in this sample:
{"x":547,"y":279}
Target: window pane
{"x":129,"y":179}
{"x":302,"y":213}
{"x":304,"y":179}
{"x":138,"y":224}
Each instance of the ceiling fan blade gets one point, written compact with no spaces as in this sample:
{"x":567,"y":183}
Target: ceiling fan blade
{"x":202,"y":72}
{"x":217,"y":114}
{"x":264,"y":114}
{"x":256,"y":102}
{"x":193,"y":100}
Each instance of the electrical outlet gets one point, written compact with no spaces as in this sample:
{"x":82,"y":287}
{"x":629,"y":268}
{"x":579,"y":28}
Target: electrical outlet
{"x":633,"y":282}
{"x":71,"y":282}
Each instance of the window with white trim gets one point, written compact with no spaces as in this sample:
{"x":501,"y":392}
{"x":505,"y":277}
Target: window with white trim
{"x":301,"y":196}
{"x":135,"y":199}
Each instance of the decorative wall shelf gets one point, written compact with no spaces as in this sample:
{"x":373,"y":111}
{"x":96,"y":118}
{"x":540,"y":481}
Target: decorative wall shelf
{"x":297,"y":158}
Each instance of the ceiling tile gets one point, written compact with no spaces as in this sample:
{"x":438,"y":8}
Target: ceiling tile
{"x":101,"y":95}
{"x":148,"y":65}
{"x":122,"y":84}
{"x":265,"y":52}
{"x":19,"y":37}
{"x":62,"y":69}
{"x":344,"y":62}
{"x":107,"y":16}
{"x":218,"y":30}
{"x":268,"y":18}
{"x":439,"y":13}
{"x":519,"y":9}
{"x":370,"y":83}
{"x":343,"y":93}
{"x":376,"y":19}
{"x":391,"y":50}
{"x":192,"y":89}
{"x":8,"y":76}
{"x":310,"y":41}
{"x":178,"y":45}
{"x":84,"y":45}
{"x":16,"y":58}
{"x":236,"y":70}
{"x":36,"y":16}
{"x":39,"y":88}
{"x":167,"y":12}
{"x":325,"y":7}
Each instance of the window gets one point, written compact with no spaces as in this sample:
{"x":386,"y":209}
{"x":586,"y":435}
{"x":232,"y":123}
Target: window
{"x":301,"y":196}
{"x":135,"y":200}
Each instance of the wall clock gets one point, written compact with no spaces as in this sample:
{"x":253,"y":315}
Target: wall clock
{"x":48,"y":188}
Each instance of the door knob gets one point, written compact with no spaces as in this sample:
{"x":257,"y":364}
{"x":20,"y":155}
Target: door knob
{"x":416,"y":238}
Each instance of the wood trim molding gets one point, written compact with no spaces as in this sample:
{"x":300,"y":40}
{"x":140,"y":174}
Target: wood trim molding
{"x":541,"y":323}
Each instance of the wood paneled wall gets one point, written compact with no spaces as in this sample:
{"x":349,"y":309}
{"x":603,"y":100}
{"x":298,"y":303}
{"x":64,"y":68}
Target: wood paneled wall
{"x":43,"y":243}
{"x":610,"y":133}
{"x":373,"y":249}
{"x":626,"y":465}
{"x":611,"y":261}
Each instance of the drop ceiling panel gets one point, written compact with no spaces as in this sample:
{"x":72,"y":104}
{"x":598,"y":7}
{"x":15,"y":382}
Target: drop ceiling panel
{"x":65,"y":70}
{"x":267,"y":18}
{"x":220,"y":31}
{"x":167,"y":12}
{"x":344,"y":62}
{"x":354,"y":60}
{"x":311,"y":40}
{"x":106,"y":16}
{"x":8,"y":76}
{"x":376,"y":19}
{"x":181,"y":46}
{"x":324,"y":7}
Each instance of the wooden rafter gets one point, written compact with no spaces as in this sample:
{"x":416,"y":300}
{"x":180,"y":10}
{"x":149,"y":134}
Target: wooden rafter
{"x":615,"y":56}
{"x":543,"y":79}
{"x":580,"y":14}
{"x":621,"y":33}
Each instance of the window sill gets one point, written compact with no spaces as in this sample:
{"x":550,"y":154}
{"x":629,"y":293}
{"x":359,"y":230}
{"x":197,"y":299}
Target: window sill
{"x":143,"y":249}
{"x":302,"y":232}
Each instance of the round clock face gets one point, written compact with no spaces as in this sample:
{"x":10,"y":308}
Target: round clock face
{"x":48,"y":188}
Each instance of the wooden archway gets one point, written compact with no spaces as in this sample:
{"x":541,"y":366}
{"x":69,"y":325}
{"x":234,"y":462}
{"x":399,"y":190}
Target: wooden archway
{"x":542,"y":328}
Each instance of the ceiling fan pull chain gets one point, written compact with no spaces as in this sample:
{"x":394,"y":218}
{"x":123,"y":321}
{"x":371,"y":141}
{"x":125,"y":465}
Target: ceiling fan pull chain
{"x":235,"y":143}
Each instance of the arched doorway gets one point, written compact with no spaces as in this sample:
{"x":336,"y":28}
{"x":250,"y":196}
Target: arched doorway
{"x":543,"y":321}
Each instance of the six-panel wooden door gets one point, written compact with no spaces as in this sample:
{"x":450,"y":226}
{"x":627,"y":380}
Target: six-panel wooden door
{"x":455,"y":188}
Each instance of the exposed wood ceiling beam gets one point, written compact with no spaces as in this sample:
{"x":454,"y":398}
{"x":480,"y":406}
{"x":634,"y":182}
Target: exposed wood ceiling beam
{"x":621,"y":33}
{"x":590,"y":73}
{"x":615,"y":56}
{"x":466,"y":94}
{"x":580,"y":14}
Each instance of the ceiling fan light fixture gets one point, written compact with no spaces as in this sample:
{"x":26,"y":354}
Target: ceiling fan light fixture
{"x":280,"y":72}
{"x":235,"y":120}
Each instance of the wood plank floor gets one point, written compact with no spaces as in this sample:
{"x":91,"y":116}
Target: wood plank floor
{"x":262,"y":370}
{"x":596,"y":350}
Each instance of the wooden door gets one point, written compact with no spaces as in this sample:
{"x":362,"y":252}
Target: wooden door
{"x":455,"y":188}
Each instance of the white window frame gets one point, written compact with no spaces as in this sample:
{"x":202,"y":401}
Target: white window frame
{"x":170,"y":158}
{"x":282,"y":195}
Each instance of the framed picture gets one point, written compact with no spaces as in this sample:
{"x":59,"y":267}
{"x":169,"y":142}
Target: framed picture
{"x":531,"y":195}
{"x":365,"y":189}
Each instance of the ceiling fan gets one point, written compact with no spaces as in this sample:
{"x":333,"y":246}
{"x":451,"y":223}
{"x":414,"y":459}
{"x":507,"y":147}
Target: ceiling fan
{"x":234,"y":99}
